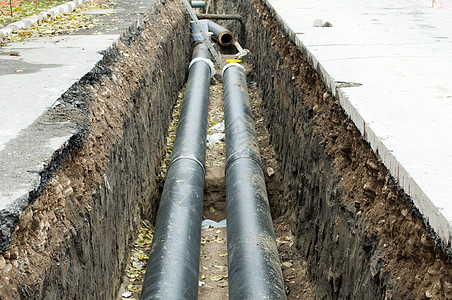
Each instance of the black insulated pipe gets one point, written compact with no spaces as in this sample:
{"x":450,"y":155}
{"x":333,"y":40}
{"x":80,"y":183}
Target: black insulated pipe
{"x":200,"y":51}
{"x":253,"y":262}
{"x":173,"y":265}
{"x":220,"y":34}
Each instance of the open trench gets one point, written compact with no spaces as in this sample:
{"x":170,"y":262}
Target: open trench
{"x":213,"y":268}
{"x":343,"y":227}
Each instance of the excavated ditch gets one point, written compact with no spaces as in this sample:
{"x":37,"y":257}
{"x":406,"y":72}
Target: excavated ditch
{"x":344,"y":228}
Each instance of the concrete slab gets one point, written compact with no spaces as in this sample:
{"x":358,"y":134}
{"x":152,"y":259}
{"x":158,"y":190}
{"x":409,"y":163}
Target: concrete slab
{"x":33,"y":81}
{"x":35,"y":130}
{"x":390,"y":65}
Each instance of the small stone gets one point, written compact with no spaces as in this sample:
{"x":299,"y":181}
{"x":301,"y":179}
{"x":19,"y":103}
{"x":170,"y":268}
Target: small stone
{"x":67,"y":192}
{"x":317,"y":23}
{"x":2,"y":262}
{"x":433,"y":270}
{"x":368,"y":186}
{"x":287,"y":264}
{"x":326,"y":96}
{"x":327,"y":24}
{"x":372,"y":165}
{"x":434,"y":290}
{"x":8,"y":268}
{"x":425,"y":240}
{"x":126,"y":294}
{"x":418,"y":279}
{"x":11,"y":255}
{"x":58,"y":188}
{"x":270,"y":171}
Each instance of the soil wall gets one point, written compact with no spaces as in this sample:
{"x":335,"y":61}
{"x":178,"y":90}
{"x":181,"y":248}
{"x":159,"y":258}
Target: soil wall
{"x":357,"y":231}
{"x":73,"y":241}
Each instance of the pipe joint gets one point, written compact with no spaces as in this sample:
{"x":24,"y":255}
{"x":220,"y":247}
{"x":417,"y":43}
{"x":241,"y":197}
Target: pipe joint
{"x":243,"y":154}
{"x":207,"y":61}
{"x":188,"y":157}
{"x":233,"y":64}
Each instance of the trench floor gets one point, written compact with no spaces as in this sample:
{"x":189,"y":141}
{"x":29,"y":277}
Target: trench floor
{"x":213,"y":272}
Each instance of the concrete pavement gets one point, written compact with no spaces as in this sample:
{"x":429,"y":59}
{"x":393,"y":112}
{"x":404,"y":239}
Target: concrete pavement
{"x":390,"y":65}
{"x":34,"y":74}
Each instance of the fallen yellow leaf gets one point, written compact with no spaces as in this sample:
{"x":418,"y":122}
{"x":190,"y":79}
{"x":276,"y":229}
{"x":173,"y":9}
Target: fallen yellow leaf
{"x":287,"y":264}
{"x":218,"y":277}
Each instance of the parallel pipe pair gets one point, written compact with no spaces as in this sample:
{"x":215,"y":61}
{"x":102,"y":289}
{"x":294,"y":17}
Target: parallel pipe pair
{"x":173,"y":266}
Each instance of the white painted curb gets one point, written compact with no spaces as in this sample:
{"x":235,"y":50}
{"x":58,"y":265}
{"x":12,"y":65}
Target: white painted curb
{"x":27,"y":22}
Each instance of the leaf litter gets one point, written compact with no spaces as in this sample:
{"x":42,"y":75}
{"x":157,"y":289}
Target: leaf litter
{"x":60,"y":24}
{"x":136,"y":268}
{"x":213,"y":267}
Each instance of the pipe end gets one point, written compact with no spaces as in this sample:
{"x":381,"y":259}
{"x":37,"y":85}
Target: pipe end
{"x":226,"y":38}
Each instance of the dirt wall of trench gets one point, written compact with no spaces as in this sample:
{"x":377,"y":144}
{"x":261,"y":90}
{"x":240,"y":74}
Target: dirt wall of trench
{"x":73,"y":241}
{"x":357,"y":231}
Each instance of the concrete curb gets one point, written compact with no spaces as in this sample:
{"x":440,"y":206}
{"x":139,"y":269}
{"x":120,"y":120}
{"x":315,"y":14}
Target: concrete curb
{"x":27,"y":22}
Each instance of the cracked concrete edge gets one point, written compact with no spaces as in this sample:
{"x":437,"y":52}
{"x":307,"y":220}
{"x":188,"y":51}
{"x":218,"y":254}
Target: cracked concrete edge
{"x":27,"y":22}
{"x":437,"y":226}
{"x":29,"y":161}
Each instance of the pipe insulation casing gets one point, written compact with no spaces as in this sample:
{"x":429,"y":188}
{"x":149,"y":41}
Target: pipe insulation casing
{"x":173,"y":265}
{"x":195,"y":33}
{"x":253,"y":262}
{"x":201,"y":50}
{"x":220,"y":34}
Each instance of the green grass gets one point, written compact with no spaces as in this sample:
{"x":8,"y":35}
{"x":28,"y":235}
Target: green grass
{"x":23,"y":9}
